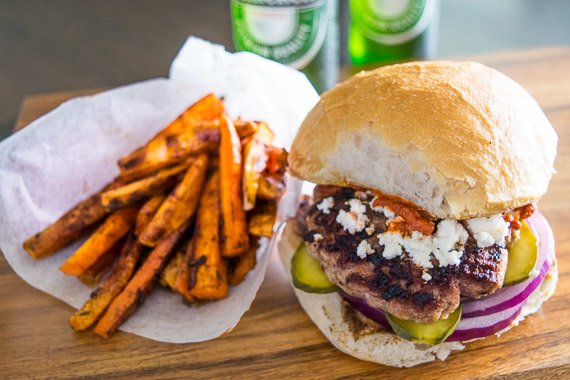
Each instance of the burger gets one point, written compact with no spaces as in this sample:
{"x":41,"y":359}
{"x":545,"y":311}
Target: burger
{"x":422,"y":231}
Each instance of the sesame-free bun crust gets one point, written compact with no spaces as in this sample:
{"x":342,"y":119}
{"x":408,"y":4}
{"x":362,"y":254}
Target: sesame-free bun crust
{"x":459,"y":139}
{"x":356,"y":335}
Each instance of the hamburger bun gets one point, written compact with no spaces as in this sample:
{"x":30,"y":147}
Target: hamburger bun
{"x":458,"y":139}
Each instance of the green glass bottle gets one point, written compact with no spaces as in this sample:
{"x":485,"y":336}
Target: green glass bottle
{"x":302,"y":34}
{"x":388,"y":31}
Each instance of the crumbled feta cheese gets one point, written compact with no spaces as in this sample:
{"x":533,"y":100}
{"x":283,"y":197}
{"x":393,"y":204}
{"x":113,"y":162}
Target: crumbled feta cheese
{"x":325,"y":205}
{"x":448,"y":258}
{"x":448,"y":234}
{"x":420,"y":248}
{"x":489,"y":231}
{"x":383,"y":210}
{"x":317,"y":237}
{"x":360,"y":195}
{"x":426,"y":276}
{"x":348,"y":221}
{"x":369,"y":230}
{"x":449,"y":237}
{"x":392,"y":242}
{"x":354,"y":220}
{"x":484,"y":239}
{"x":446,"y":245}
{"x":357,"y":206}
{"x":364,"y":248}
{"x":387,"y":213}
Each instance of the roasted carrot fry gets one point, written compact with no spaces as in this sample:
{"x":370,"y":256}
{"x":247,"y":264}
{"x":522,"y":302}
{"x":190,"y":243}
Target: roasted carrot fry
{"x":147,"y":211}
{"x":170,"y":272}
{"x":70,"y":227}
{"x":170,"y":149}
{"x":167,"y":150}
{"x":210,"y":107}
{"x":137,"y":191}
{"x":93,"y":274}
{"x":114,"y":228}
{"x":136,"y":290}
{"x":179,"y":206}
{"x":244,"y":264}
{"x":254,"y":163}
{"x":264,"y":133}
{"x":210,"y":280}
{"x":245,"y":128}
{"x":270,"y":188}
{"x":235,"y":239}
{"x":262,"y":219}
{"x":186,"y":272}
{"x":176,"y":127}
{"x":85,"y":317}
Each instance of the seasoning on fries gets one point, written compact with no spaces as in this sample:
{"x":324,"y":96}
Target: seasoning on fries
{"x":104,"y":238}
{"x":179,"y":206}
{"x":147,"y":212}
{"x":187,"y":212}
{"x":100,"y":299}
{"x":210,"y":279}
{"x":140,"y":285}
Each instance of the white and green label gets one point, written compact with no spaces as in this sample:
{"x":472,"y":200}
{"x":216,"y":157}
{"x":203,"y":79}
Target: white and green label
{"x":290,"y":34}
{"x":392,"y":22}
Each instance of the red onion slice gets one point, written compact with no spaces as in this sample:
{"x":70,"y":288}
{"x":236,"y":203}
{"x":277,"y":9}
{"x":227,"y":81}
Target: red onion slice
{"x":467,"y":329}
{"x":505,"y":298}
{"x":367,"y":310}
{"x":514,"y":295}
{"x":484,"y":326}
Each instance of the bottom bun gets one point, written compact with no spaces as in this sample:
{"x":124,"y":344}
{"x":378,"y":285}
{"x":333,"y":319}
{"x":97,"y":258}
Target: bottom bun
{"x":359,"y":336}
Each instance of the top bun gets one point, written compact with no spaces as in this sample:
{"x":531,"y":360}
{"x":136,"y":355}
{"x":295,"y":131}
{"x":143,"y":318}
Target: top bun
{"x":459,"y":139}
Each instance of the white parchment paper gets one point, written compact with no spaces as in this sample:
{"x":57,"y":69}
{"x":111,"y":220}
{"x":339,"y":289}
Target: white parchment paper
{"x":72,"y":151}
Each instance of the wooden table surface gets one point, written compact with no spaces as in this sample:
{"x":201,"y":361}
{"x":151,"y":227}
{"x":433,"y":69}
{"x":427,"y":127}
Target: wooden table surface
{"x":275,"y":339}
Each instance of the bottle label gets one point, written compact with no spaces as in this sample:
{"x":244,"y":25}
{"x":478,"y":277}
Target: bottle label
{"x":287,"y":33}
{"x":392,"y":22}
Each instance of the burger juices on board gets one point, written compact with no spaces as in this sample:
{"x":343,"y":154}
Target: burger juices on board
{"x":422,"y":232}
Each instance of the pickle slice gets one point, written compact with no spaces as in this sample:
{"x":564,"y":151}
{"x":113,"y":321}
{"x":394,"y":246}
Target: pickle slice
{"x":523,"y":254}
{"x":428,"y":333}
{"x":308,"y":274}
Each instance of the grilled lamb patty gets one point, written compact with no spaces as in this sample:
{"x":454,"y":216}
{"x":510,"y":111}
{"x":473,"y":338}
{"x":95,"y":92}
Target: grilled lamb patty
{"x":396,"y":285}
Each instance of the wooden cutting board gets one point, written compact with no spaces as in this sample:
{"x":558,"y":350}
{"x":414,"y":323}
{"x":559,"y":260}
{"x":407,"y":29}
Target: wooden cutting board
{"x":275,"y":339}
